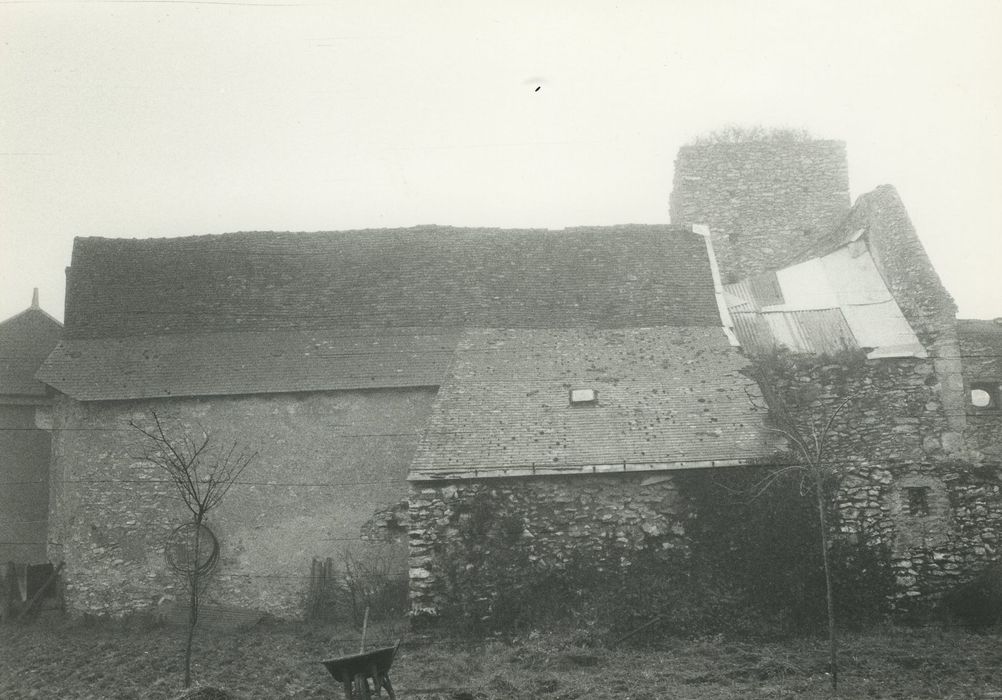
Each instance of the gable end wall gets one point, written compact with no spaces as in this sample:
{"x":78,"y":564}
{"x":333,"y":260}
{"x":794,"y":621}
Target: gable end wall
{"x":328,"y":464}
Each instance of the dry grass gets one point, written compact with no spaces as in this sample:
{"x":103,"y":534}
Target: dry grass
{"x":281,"y":661}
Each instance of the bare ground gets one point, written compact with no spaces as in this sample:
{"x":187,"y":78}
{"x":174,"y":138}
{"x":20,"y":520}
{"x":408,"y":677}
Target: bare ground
{"x":55,"y":659}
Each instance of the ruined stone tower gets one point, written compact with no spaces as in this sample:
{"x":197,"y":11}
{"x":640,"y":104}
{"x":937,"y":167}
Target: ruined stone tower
{"x":764,"y":201}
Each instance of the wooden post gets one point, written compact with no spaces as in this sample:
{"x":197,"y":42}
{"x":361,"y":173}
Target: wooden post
{"x":365,"y":624}
{"x":8,"y":584}
{"x":38,"y":594}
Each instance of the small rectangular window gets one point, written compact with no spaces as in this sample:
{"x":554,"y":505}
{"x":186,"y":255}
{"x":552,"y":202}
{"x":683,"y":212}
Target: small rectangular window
{"x":584,"y":397}
{"x":918,"y":500}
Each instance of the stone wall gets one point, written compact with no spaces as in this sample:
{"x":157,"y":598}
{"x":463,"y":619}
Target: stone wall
{"x":763,"y":201}
{"x":560,"y":517}
{"x":917,"y":289}
{"x":939,"y":515}
{"x":981,"y":350}
{"x":329,"y":464}
{"x":24,"y":485}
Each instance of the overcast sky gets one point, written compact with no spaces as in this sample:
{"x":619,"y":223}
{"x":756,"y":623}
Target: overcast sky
{"x":136,"y":119}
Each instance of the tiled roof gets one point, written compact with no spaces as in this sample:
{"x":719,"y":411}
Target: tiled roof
{"x":251,"y":362}
{"x":667,"y":397}
{"x":617,"y":276}
{"x":25,"y":340}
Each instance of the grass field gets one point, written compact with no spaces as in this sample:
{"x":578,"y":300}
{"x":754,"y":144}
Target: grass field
{"x":55,"y":659}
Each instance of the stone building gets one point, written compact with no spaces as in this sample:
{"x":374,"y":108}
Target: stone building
{"x":25,"y":340}
{"x":355,"y":361}
{"x":854,"y":297}
{"x":393,"y":379}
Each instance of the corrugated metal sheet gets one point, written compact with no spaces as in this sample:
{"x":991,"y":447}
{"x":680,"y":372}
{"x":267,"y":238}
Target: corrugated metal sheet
{"x":754,"y":293}
{"x":753,"y":331}
{"x":765,"y":287}
{"x":820,"y":332}
{"x":829,"y":304}
{"x":740,"y":297}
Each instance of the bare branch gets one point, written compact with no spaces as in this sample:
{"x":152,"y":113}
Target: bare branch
{"x":201,"y":477}
{"x":794,"y":436}
{"x":763,"y":485}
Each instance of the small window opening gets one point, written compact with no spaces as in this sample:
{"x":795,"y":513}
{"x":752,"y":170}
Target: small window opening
{"x":984,"y":395}
{"x":584,"y":397}
{"x":918,"y":500}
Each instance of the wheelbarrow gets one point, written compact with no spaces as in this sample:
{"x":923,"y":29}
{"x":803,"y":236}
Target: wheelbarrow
{"x":354,"y":672}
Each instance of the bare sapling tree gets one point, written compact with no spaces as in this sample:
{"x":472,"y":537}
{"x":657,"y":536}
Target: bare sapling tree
{"x":806,"y":424}
{"x":203,"y":473}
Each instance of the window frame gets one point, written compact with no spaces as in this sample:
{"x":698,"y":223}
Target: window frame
{"x":582,"y":403}
{"x":989,"y":387}
{"x":917,"y":500}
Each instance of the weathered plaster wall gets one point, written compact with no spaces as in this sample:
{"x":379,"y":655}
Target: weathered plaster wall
{"x":328,"y":462}
{"x":763,"y":201}
{"x":24,"y":486}
{"x":562,"y":516}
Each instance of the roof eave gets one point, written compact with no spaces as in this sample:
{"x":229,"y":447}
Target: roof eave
{"x":463,"y":473}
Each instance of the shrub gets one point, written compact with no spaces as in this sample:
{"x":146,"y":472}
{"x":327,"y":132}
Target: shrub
{"x":370,"y":582}
{"x":977,"y":604}
{"x":765,"y":544}
{"x":752,"y":568}
{"x":341,"y":591}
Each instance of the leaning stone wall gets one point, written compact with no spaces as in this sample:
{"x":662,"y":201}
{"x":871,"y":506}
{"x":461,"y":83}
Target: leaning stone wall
{"x":561,"y":517}
{"x":910,"y":277}
{"x":330,"y":474}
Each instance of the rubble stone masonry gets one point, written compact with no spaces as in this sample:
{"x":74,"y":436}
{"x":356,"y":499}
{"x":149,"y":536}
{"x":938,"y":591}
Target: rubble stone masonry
{"x":562,"y":516}
{"x":939,"y":513}
{"x":763,"y":201}
{"x":326,"y":463}
{"x":981,"y":349}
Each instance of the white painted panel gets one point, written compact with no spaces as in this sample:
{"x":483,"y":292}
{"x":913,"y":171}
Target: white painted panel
{"x":854,"y":278}
{"x":806,"y":286}
{"x":879,"y":325}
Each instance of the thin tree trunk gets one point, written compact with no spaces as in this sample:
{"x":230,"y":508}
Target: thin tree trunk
{"x":193,"y":583}
{"x":829,"y":595}
{"x":192,"y":621}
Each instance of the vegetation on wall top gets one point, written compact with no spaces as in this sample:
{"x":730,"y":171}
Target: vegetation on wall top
{"x":733,"y":133}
